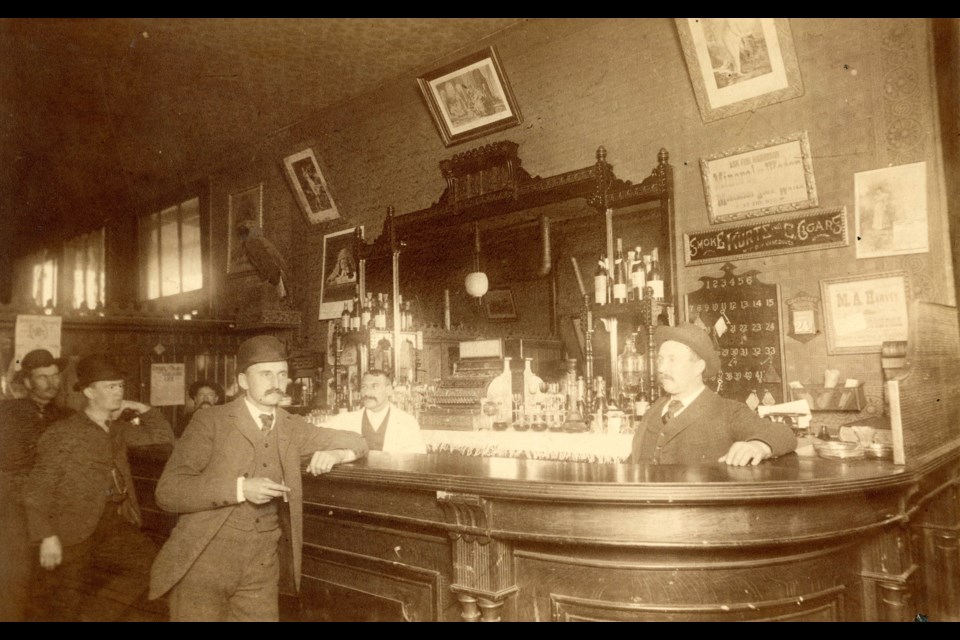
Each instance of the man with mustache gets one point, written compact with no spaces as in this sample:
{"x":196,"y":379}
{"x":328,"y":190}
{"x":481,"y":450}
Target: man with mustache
{"x":81,"y":501}
{"x":205,"y":394}
{"x":22,"y":421}
{"x":385,"y":426}
{"x":234,"y":479}
{"x":693,"y":425}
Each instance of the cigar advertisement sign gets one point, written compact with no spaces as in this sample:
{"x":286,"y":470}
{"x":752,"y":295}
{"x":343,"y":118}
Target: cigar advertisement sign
{"x":862,"y":312}
{"x":820,"y":229}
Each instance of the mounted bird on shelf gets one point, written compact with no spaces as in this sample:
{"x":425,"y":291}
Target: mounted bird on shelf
{"x":264,"y":256}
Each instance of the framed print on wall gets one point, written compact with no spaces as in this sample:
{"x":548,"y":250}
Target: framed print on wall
{"x":860,"y":313}
{"x":470,"y":98}
{"x":499,"y":305}
{"x":244,"y":206}
{"x":309,"y":186}
{"x":338,"y":281}
{"x":775,"y":176}
{"x":891,"y":211}
{"x":739,"y":64}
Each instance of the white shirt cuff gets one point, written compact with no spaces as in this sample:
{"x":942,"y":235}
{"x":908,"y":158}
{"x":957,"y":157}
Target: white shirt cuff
{"x":240,"y":497}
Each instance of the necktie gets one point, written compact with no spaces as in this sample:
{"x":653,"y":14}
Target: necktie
{"x":266,"y":420}
{"x":673,"y":408}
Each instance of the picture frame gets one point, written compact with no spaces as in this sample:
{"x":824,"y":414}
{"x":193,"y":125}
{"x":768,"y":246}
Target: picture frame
{"x":862,"y":312}
{"x":890,"y":207}
{"x":242,"y":206}
{"x":739,"y":64}
{"x":310,"y":187}
{"x":761,"y":179}
{"x":338,"y":279}
{"x":499,"y":306}
{"x":470,"y":97}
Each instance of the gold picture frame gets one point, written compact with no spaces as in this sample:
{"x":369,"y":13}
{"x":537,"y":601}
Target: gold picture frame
{"x":470,"y":97}
{"x":739,"y":64}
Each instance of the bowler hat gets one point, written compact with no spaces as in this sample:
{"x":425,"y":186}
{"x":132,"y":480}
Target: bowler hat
{"x":260,"y":349}
{"x":95,"y":368}
{"x":40,"y":358}
{"x":694,"y":337}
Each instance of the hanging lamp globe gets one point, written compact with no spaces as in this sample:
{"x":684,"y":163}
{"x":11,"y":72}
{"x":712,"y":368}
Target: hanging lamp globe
{"x":476,"y":283}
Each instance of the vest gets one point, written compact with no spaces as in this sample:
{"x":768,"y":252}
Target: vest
{"x":248,"y":516}
{"x":374,"y":437}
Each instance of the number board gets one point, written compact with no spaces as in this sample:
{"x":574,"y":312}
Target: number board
{"x":751,"y":346}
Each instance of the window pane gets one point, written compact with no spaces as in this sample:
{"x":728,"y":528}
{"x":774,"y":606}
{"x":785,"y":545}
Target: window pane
{"x":190,"y":245}
{"x":149,"y":252}
{"x":169,"y":252}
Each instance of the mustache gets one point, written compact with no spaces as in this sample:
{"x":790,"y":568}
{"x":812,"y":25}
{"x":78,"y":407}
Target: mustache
{"x":273,"y":390}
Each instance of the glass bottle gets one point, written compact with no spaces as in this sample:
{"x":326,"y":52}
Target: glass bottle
{"x":366,"y":314}
{"x":500,"y":393}
{"x":531,"y":388}
{"x":599,"y":405}
{"x":619,"y":275}
{"x":600,"y":282}
{"x":655,"y":280}
{"x":345,"y":316}
{"x":638,"y":276}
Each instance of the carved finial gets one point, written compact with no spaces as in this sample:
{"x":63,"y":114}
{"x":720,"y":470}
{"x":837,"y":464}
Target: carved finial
{"x":663,"y":157}
{"x":601,"y":153}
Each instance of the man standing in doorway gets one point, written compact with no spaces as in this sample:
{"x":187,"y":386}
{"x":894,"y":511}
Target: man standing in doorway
{"x":234,"y":478}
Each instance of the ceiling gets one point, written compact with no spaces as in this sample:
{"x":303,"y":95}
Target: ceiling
{"x":97,"y":111}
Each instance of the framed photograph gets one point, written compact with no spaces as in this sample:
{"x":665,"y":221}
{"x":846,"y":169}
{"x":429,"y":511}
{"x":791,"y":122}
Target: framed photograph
{"x":243,"y":207}
{"x":499,"y":305}
{"x":470,"y":98}
{"x":775,"y":176}
{"x":860,"y":313}
{"x":891,"y":211}
{"x":739,"y":64}
{"x":309,"y":186}
{"x":338,"y":281}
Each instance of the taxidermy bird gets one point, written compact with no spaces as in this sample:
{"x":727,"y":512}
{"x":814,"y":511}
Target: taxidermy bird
{"x":264,"y":256}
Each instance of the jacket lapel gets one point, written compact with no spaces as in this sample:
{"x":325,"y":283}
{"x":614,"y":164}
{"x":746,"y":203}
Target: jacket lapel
{"x":283,"y":434}
{"x":692,"y":414}
{"x":243,"y":421}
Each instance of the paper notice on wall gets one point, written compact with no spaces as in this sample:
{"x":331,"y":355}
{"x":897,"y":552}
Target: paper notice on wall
{"x":166,"y":384}
{"x":36,"y":332}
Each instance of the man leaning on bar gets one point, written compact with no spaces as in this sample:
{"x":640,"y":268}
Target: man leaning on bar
{"x":693,"y":425}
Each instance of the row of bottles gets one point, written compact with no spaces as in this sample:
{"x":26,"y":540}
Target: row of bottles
{"x":629,"y":277}
{"x":374,"y":313}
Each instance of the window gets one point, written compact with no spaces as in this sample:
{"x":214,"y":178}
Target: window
{"x":41,"y":269}
{"x":170,"y":251}
{"x":83,"y":266}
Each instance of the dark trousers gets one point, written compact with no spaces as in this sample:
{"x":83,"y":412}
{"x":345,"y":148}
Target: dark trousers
{"x":99,"y":577}
{"x":235,"y":579}
{"x":17,"y":556}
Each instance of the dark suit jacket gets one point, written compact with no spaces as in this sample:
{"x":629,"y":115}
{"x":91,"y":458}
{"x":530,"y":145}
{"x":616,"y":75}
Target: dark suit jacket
{"x":199,"y":481}
{"x":65,"y":494}
{"x":704,"y":431}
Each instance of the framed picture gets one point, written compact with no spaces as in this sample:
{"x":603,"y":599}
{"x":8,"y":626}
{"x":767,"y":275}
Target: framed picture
{"x":739,"y":64}
{"x":499,"y":305}
{"x":309,"y":187}
{"x":891,"y":211}
{"x":243,"y":207}
{"x":860,"y":313}
{"x":338,"y":281}
{"x":762,"y":179}
{"x":470,"y":98}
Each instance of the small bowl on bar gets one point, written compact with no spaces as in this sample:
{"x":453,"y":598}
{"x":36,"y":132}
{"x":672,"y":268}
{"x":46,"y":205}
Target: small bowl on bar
{"x":837,"y":449}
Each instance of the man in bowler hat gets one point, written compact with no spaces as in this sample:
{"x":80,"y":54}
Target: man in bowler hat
{"x":204,"y":394}
{"x":234,"y":478}
{"x":80,"y":498}
{"x":21,"y":423}
{"x":693,"y":425}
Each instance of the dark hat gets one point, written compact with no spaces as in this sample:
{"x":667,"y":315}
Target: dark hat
{"x":95,"y":368}
{"x":40,"y":358}
{"x":694,"y":337}
{"x":200,"y":384}
{"x":260,"y":349}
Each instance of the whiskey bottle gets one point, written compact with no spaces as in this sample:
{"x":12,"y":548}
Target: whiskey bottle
{"x":655,"y":281}
{"x":619,"y":275}
{"x":600,"y":282}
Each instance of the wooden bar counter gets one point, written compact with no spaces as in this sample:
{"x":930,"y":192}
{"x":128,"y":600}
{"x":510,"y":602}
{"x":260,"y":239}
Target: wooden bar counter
{"x":446,"y":537}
